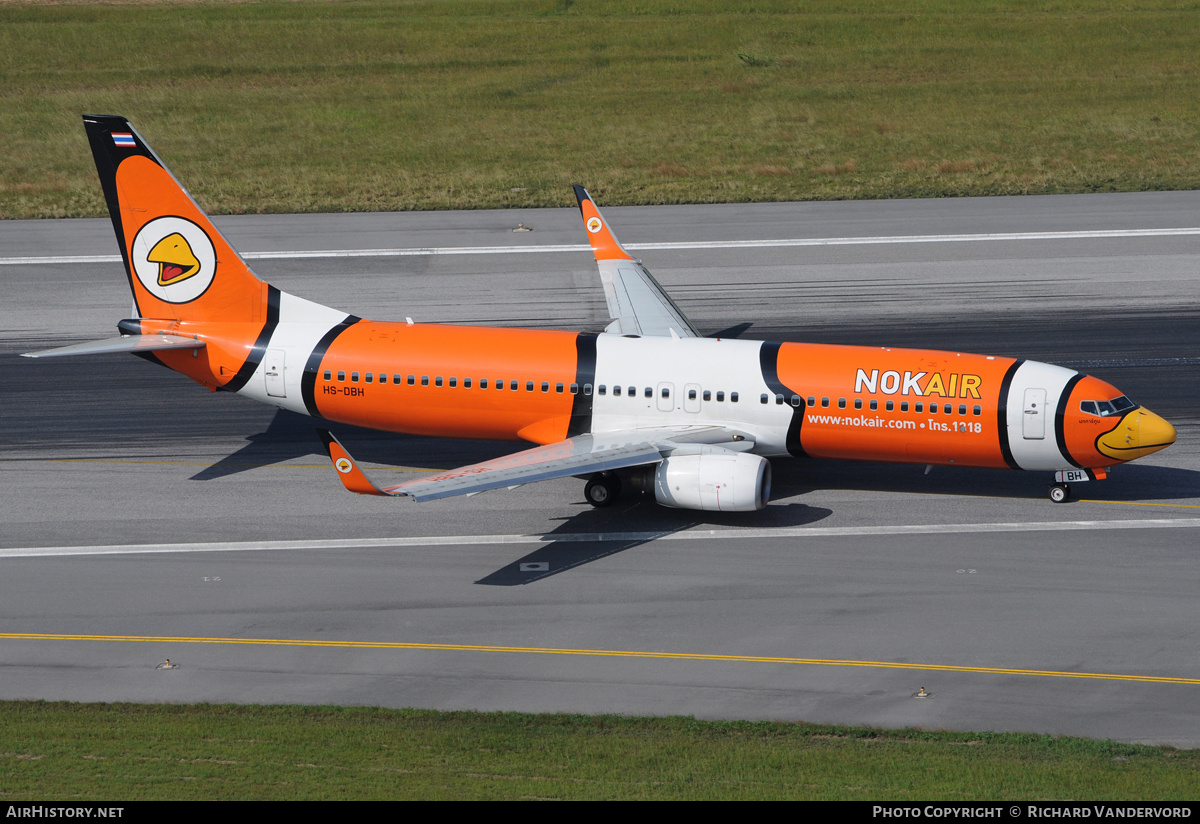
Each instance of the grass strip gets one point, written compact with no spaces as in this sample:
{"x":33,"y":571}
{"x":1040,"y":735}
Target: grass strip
{"x":103,"y":752}
{"x":430,"y":104}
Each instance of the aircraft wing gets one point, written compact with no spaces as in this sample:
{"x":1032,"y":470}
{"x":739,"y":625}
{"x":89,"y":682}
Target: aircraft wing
{"x":637,"y":303}
{"x":580,"y":455}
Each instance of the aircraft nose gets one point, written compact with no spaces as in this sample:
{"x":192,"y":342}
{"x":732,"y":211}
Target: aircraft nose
{"x":1141,"y":432}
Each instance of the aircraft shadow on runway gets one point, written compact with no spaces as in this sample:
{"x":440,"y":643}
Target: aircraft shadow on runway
{"x":580,"y":538}
{"x":290,"y":435}
{"x":1129,"y":482}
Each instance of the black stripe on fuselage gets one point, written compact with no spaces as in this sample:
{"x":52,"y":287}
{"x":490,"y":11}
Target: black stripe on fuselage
{"x":260,"y":345}
{"x":585,"y":375}
{"x":1002,"y":415}
{"x":308,"y":381}
{"x":768,"y":360}
{"x":1060,"y":419}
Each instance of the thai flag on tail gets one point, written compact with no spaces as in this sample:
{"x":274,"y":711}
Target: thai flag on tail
{"x":123,"y":139}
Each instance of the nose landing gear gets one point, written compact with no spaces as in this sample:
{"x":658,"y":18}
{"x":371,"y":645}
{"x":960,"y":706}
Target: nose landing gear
{"x":1060,"y":493}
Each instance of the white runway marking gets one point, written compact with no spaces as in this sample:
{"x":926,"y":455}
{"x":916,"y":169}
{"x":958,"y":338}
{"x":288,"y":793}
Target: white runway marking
{"x":597,"y":537}
{"x":640,"y":247}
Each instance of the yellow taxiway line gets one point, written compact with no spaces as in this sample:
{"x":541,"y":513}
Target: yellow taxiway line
{"x":602,"y":653}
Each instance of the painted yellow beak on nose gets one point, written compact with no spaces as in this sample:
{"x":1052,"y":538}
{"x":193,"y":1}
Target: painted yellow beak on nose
{"x":1139,"y":433}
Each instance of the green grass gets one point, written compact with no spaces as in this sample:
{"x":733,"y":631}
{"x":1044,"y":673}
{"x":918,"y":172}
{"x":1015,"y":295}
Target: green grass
{"x":129,"y":752}
{"x":426,"y":104}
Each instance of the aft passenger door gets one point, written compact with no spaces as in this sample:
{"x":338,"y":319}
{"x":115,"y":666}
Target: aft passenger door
{"x":1033,"y":422}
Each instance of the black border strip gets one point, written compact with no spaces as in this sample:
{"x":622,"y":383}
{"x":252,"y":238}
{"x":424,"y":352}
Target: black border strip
{"x":768,"y":361}
{"x":1060,"y":419}
{"x":1002,"y":414}
{"x":308,"y":381}
{"x":260,"y":345}
{"x":585,"y":373}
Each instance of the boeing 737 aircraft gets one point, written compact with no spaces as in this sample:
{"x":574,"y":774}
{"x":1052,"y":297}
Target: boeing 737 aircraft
{"x":648,"y":404}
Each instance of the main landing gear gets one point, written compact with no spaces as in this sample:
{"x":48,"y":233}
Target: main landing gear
{"x":1060,"y":493}
{"x":602,"y":489}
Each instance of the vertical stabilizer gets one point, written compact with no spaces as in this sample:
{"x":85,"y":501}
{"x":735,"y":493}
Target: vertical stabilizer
{"x":179,"y":266}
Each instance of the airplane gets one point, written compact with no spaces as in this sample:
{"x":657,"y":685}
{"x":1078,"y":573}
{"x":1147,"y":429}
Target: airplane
{"x":648,"y":404}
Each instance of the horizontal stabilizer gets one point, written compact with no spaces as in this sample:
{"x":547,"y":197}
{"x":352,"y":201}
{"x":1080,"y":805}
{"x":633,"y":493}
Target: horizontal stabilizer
{"x":125,"y":343}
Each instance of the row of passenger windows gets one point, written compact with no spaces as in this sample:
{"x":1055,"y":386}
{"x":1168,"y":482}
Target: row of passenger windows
{"x":530,"y":386}
{"x":890,"y":406}
{"x":452,"y":382}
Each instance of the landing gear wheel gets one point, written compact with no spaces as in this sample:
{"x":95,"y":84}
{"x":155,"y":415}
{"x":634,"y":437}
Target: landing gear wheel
{"x":602,"y":490}
{"x":1060,"y":493}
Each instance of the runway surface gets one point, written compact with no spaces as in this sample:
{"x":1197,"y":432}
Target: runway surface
{"x":144,"y":518}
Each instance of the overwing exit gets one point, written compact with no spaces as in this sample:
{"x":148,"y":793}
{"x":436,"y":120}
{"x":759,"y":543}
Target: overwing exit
{"x":647,"y":405}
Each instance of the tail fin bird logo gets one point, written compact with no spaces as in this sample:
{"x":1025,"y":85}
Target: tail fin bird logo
{"x":174,"y":259}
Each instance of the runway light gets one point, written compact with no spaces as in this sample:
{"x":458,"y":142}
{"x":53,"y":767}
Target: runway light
{"x":922,"y":694}
{"x":165,"y":665}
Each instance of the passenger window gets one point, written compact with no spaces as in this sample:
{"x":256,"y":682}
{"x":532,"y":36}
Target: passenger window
{"x":546,"y":387}
{"x":341,"y":376}
{"x":824,"y":403}
{"x":383,"y":377}
{"x":632,"y":391}
{"x":733,"y":397}
{"x":558,"y":387}
{"x":424,"y":380}
{"x":587,"y":389}
{"x":412,"y":379}
{"x":977,"y":411}
{"x":691,"y":394}
{"x":328,"y":375}
{"x":616,"y":391}
{"x":574,"y":389}
{"x":483,"y":383}
{"x":874,"y":404}
{"x":500,"y":385}
{"x":920,"y":406}
{"x":933,"y":409}
{"x":454,"y":383}
{"x":708,"y":394}
{"x":779,"y":400}
{"x":903,"y":406}
{"x":891,"y":406}
{"x":437,"y":381}
{"x":602,"y":389}
{"x":466,"y":383}
{"x":649,"y":393}
{"x":397,"y":379}
{"x":858,"y":403}
{"x":841,"y":403}
{"x":514,"y":385}
{"x":797,"y":401}
{"x":369,"y":377}
{"x":720,"y":396}
{"x":762,"y":398}
{"x":528,"y":386}
{"x":962,"y":409}
{"x":353,"y":377}
{"x":812,"y":401}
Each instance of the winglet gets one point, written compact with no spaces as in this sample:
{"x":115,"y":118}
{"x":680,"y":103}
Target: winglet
{"x":604,"y":242}
{"x":352,"y":477}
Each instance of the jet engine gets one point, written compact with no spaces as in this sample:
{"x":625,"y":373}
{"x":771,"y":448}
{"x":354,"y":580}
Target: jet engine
{"x":716,"y":481}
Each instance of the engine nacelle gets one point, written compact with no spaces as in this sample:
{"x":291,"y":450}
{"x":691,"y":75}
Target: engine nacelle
{"x":714,"y":481}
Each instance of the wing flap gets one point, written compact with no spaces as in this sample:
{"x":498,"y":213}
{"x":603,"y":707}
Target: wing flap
{"x":581,"y":455}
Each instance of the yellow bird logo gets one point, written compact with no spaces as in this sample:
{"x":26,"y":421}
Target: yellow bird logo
{"x":175,"y":259}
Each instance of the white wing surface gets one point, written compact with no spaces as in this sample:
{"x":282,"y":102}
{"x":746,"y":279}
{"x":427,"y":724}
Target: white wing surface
{"x":637,"y":303}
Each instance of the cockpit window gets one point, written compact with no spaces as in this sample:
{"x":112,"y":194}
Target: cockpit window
{"x":1107,"y":409}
